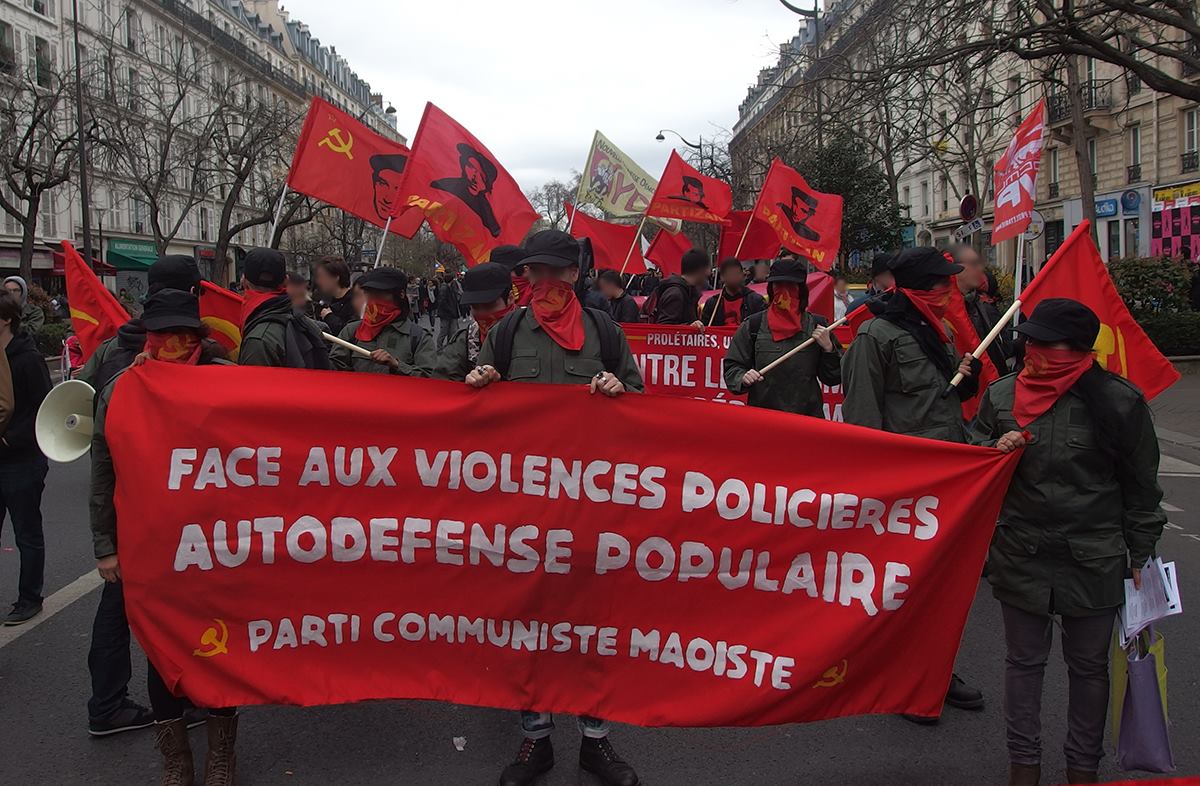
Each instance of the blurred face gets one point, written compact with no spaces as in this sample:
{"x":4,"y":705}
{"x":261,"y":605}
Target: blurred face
{"x":483,"y":309}
{"x":732,"y":277}
{"x":358,"y":299}
{"x":539,"y":273}
{"x":298,"y":292}
{"x":609,"y":289}
{"x":840,"y":286}
{"x":14,"y":289}
{"x":761,"y":271}
{"x":972,"y":276}
{"x":327,"y":283}
{"x":884,"y":281}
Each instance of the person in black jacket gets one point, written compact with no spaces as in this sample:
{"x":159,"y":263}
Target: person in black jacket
{"x":677,"y":299}
{"x":972,"y":282}
{"x":336,"y":309}
{"x":22,"y":465}
{"x":620,"y":304}
{"x":274,"y":333}
{"x":735,"y":302}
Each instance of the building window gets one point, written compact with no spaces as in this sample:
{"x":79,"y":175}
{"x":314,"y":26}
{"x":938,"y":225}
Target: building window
{"x":131,"y":30}
{"x":1054,"y":236}
{"x":1113,"y":231}
{"x":907,"y":201}
{"x":1014,"y":90}
{"x":138,"y":213}
{"x":43,"y":62}
{"x":1135,"y":144}
{"x":1132,"y":237}
{"x":1191,"y":140}
{"x":1054,"y":165}
{"x":924,"y":197}
{"x":43,"y":7}
{"x":1091,"y":151}
{"x":8,"y":49}
{"x":204,"y":223}
{"x":1090,"y":73}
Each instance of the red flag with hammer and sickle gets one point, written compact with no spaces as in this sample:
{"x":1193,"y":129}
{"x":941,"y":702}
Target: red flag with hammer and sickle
{"x":95,"y":312}
{"x":340,"y":161}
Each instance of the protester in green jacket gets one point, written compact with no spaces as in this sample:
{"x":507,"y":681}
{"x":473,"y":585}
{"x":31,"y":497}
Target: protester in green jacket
{"x":173,"y":335}
{"x":488,"y":291}
{"x":897,"y":369}
{"x":274,"y":333}
{"x":899,"y":364}
{"x":1081,"y":513}
{"x":795,"y":385}
{"x":556,"y":341}
{"x":33,"y":318}
{"x":396,"y":343}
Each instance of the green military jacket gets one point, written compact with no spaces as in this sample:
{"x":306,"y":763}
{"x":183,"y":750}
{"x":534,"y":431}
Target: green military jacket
{"x":538,"y":358}
{"x":891,"y":385}
{"x":404,"y":340}
{"x":92,"y":366}
{"x":795,"y":385}
{"x":264,"y":343}
{"x":1075,"y":515}
{"x":33,"y":318}
{"x":458,"y":357}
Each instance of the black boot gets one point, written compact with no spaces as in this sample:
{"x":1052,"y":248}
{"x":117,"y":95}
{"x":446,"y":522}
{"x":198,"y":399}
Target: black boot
{"x":1024,"y":774}
{"x":962,"y":695}
{"x":599,"y":758}
{"x":534,"y":758}
{"x":1081,"y":776}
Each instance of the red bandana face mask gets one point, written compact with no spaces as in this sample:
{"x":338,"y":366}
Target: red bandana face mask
{"x":377,"y":315}
{"x":251,"y":300}
{"x":522,"y":290}
{"x":488,"y":321}
{"x":174,"y":347}
{"x":932,"y":304}
{"x":558,"y":312}
{"x":784,"y":314}
{"x":1048,"y":374}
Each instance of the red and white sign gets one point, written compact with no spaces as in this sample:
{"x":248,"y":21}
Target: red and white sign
{"x":1015,"y":176}
{"x":490,"y":547}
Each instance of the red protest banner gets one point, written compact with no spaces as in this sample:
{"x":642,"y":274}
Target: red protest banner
{"x":404,"y":559}
{"x":678,"y":360}
{"x":1015,"y":176}
{"x":807,"y":222}
{"x":1077,"y":271}
{"x":466,"y":196}
{"x":343,"y":162}
{"x":95,"y":313}
{"x":686,"y":194}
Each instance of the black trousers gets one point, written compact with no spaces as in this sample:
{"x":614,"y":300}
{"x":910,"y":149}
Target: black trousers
{"x":108,"y":657}
{"x":167,"y":706}
{"x":21,"y":486}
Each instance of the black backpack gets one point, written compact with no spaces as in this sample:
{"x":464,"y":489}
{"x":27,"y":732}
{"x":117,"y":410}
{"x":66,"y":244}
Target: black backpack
{"x":303,"y":345}
{"x":651,"y":303}
{"x":610,"y":340}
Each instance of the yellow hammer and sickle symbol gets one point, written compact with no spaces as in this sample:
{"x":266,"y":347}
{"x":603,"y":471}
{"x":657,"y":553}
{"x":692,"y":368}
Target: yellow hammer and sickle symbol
{"x":216,"y":638}
{"x":333,"y":140}
{"x":1110,"y":342}
{"x":833,"y":676}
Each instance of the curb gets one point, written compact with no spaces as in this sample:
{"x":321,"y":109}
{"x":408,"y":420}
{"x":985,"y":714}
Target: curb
{"x":1186,"y":364}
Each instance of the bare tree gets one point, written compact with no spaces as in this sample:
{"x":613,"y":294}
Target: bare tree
{"x":37,"y":142}
{"x":550,"y":200}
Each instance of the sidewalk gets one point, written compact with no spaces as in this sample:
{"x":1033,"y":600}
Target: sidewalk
{"x":1177,"y":418}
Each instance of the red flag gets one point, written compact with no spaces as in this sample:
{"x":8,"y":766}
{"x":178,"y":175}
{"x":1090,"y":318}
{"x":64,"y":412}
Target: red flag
{"x":221,"y":310}
{"x":820,"y":294}
{"x":667,"y":250}
{"x":1015,"y":176}
{"x":686,"y":194}
{"x":95,"y":312}
{"x":340,"y":161}
{"x":966,"y":339}
{"x":614,"y":246}
{"x":467,"y":198}
{"x":760,"y":241}
{"x":514,"y":578}
{"x":807,"y":222}
{"x":854,"y":320}
{"x":1077,"y":271}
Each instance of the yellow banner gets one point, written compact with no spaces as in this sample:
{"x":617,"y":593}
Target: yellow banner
{"x":613,"y":182}
{"x":1177,"y":192}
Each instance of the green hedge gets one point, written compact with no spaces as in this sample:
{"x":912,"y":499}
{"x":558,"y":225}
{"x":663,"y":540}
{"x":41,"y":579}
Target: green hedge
{"x":1173,"y":333}
{"x":51,"y":337}
{"x":1153,"y":285}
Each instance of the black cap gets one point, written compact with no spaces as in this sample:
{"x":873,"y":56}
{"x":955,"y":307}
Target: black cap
{"x":387,"y":279}
{"x":169,"y":309}
{"x":551,"y":247}
{"x":511,"y":257}
{"x":1062,"y":319}
{"x":922,"y":267}
{"x":882,"y":263}
{"x":173,"y":271}
{"x":485,"y":283}
{"x":788,"y":269}
{"x":730,"y":262}
{"x":265,"y":267}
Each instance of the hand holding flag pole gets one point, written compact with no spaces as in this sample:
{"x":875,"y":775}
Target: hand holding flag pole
{"x":1011,"y":314}
{"x":806,"y":343}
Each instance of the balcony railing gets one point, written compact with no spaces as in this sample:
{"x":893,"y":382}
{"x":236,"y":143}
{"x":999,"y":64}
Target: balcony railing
{"x":1095,"y":97}
{"x":1190,"y":161}
{"x":1053,"y":190}
{"x":1134,"y":173}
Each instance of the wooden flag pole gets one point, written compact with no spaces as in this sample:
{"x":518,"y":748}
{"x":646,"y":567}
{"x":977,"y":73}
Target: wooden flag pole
{"x":803,"y":346}
{"x":332,"y":339}
{"x":737,"y":254}
{"x":1013,"y":310}
{"x":720,"y":300}
{"x":636,"y":237}
{"x":379,"y":251}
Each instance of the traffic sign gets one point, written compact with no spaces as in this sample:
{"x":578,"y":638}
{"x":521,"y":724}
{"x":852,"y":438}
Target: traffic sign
{"x":968,"y":229}
{"x":1037,"y":225}
{"x":968,"y":208}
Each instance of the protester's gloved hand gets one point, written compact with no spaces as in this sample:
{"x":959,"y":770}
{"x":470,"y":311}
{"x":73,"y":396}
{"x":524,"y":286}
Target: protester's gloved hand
{"x":482,"y":376}
{"x":751,"y":377}
{"x":606,"y":383}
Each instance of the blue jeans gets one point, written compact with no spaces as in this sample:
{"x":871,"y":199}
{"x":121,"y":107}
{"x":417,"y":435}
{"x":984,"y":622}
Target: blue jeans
{"x":538,"y":725}
{"x":21,"y":486}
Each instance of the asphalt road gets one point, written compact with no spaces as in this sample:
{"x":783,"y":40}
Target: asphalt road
{"x":44,"y":688}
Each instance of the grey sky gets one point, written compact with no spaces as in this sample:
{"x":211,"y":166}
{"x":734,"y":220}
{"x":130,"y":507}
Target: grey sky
{"x":533,"y":79}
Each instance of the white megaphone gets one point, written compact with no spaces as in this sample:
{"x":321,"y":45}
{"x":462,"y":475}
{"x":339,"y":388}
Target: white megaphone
{"x":64,"y":421}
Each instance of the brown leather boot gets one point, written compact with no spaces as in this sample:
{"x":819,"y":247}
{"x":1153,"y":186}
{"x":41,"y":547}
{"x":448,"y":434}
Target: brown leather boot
{"x":1081,"y":776}
{"x":171,"y":739}
{"x":1024,"y":774}
{"x":221,"y":762}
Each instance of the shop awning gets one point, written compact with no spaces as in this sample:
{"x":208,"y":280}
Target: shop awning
{"x":60,"y":266}
{"x":127,"y":259}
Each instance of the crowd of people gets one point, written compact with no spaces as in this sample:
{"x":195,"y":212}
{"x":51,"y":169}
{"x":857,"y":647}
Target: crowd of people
{"x":1081,"y":514}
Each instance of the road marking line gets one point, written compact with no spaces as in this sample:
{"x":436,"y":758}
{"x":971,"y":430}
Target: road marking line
{"x":1173,"y":467}
{"x":52,"y":605}
{"x":1173,"y":526}
{"x":1168,"y":507}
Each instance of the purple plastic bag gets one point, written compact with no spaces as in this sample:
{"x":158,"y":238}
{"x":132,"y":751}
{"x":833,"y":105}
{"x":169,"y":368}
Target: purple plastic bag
{"x":1143,"y":742}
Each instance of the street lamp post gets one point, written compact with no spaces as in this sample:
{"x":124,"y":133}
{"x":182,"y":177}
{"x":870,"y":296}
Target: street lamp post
{"x":84,"y":196}
{"x":698,"y":147}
